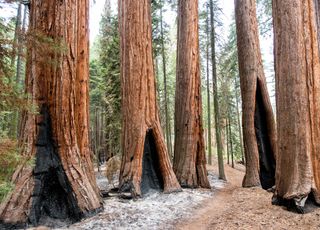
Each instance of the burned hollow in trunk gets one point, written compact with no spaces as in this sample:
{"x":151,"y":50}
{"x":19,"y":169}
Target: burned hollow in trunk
{"x":145,"y":160}
{"x":297,"y":66}
{"x":266,"y":155}
{"x":258,"y":121}
{"x":151,"y":175}
{"x":52,"y":194}
{"x":61,"y":184}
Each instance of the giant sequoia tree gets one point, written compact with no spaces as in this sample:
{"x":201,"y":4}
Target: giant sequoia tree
{"x":61,"y":184}
{"x":298,"y":101}
{"x":145,"y":159}
{"x":189,"y":153}
{"x":259,"y":133}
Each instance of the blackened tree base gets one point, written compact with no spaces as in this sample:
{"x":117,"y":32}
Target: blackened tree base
{"x":301,"y":206}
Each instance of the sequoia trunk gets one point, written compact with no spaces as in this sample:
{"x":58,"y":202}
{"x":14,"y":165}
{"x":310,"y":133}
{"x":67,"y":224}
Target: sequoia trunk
{"x":189,"y":161}
{"x":61,"y":184}
{"x":298,"y":101}
{"x":317,"y":14}
{"x":145,"y":160}
{"x":259,"y":132}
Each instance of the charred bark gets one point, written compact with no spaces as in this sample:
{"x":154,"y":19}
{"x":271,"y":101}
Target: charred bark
{"x":258,"y":122}
{"x":61,"y":184}
{"x":142,"y":137}
{"x":189,"y":161}
{"x":298,"y":102}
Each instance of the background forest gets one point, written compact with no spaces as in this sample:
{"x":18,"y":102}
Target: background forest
{"x":105,"y":89}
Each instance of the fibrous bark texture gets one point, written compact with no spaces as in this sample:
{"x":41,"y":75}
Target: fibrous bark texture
{"x":141,"y":130}
{"x":298,"y":100}
{"x":189,"y":154}
{"x":317,"y":15}
{"x":61,"y":184}
{"x":259,"y":132}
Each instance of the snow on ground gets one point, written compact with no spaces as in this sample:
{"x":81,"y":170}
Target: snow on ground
{"x":153,"y":211}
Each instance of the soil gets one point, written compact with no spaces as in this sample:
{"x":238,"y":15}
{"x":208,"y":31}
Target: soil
{"x":154,"y":210}
{"x":226,"y":206}
{"x":234,"y":207}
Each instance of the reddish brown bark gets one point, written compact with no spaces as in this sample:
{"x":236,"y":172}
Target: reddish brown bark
{"x":189,"y":154}
{"x":259,"y":132}
{"x":298,"y":100}
{"x":317,"y":17}
{"x":139,"y":107}
{"x":57,"y":137}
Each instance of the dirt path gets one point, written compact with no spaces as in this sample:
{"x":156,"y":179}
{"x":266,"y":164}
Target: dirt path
{"x":234,"y":207}
{"x":214,"y":208}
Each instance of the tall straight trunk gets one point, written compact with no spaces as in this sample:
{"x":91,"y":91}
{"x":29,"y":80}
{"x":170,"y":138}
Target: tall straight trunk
{"x":170,"y":139}
{"x":227,"y":141}
{"x":208,"y":92}
{"x":61,"y":184}
{"x":164,"y":70}
{"x":20,"y":65}
{"x":189,"y":161}
{"x":20,"y":47}
{"x":230,"y":139}
{"x":298,"y":100}
{"x":156,"y":65}
{"x":258,"y":122}
{"x":238,"y":121}
{"x":13,"y":124}
{"x":215,"y":95}
{"x":17,"y":31}
{"x":145,"y":159}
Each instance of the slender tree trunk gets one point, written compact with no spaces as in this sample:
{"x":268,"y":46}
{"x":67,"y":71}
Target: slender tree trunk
{"x":208,"y":92}
{"x":230,"y":139}
{"x":20,"y":47}
{"x":298,"y":101}
{"x":156,"y":64}
{"x":170,"y":139}
{"x":227,"y":140}
{"x":238,"y":120}
{"x":145,"y":159}
{"x":189,"y":154}
{"x":61,"y":184}
{"x":17,"y":32}
{"x":215,"y":96}
{"x":258,"y":124}
{"x":13,"y":124}
{"x":96,"y":135}
{"x":164,"y":69}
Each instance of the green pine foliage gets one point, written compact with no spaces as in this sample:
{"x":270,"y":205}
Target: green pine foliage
{"x":12,"y":102}
{"x":105,"y":89}
{"x":229,"y":92}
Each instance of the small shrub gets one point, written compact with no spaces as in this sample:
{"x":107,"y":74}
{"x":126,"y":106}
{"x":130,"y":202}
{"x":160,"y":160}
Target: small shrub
{"x":10,"y":158}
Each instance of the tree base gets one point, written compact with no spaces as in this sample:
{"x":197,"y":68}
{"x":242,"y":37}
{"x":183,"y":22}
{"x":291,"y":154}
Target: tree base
{"x":301,"y":206}
{"x":51,"y":201}
{"x":151,"y":179}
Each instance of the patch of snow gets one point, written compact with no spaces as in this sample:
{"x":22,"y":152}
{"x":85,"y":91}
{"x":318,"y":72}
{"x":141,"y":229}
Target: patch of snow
{"x":153,"y":211}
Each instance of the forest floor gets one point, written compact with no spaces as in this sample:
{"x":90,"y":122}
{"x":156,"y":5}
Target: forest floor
{"x":225,"y":206}
{"x":153,"y":211}
{"x":234,"y":207}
